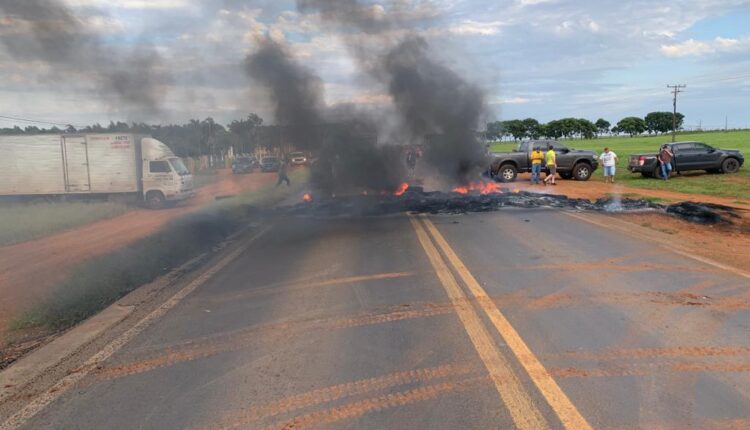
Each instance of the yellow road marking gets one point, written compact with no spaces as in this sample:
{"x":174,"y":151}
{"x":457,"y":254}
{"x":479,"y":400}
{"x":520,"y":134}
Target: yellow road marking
{"x":523,"y":411}
{"x":563,"y":407}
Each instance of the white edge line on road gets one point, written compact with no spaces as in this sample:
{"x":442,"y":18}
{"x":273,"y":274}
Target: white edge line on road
{"x":668,"y":247}
{"x":43,"y":400}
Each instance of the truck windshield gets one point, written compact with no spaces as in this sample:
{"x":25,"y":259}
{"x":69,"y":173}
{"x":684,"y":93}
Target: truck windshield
{"x":179,"y":166}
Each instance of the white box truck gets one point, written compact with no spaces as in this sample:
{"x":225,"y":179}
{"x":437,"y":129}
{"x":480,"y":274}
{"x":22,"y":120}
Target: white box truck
{"x":93,"y":164}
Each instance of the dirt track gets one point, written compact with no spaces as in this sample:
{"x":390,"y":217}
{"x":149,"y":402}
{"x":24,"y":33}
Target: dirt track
{"x":28,"y":269}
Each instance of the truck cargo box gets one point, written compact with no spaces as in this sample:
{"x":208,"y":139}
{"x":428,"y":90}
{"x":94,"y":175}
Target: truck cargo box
{"x":69,"y":164}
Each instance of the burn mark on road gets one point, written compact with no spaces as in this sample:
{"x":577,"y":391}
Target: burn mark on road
{"x":240,"y":339}
{"x":340,"y":391}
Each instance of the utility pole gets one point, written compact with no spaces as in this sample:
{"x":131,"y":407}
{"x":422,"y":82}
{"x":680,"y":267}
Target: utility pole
{"x":676,"y":89}
{"x":726,"y":121}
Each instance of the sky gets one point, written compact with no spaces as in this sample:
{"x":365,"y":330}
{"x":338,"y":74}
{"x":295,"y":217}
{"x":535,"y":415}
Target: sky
{"x":544,"y":59}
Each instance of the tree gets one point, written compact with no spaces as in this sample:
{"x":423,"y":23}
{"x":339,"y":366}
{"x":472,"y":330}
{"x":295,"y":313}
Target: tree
{"x":532,"y":128}
{"x":553,"y":129}
{"x":515,"y":128}
{"x":632,"y":125}
{"x":661,"y":122}
{"x":494,"y":131}
{"x":602,"y":125}
{"x":585,"y":128}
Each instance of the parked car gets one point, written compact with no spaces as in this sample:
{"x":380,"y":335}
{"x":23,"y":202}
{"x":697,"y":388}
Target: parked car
{"x":689,"y":156}
{"x":297,"y":158}
{"x":269,"y":164}
{"x":244,"y":165}
{"x":571,"y":163}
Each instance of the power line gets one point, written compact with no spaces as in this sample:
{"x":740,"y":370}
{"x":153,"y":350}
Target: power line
{"x":676,"y":89}
{"x":34,"y":121}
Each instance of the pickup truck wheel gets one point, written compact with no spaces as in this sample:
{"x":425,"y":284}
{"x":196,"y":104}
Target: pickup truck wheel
{"x":506,"y":173}
{"x":582,"y":172}
{"x":730,"y":165}
{"x":566,"y":175}
{"x":155,"y":200}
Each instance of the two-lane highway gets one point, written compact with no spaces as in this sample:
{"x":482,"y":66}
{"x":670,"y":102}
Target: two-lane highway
{"x":514,"y":319}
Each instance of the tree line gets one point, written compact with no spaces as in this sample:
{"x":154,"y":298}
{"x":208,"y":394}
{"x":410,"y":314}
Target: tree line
{"x":194,"y":138}
{"x":569,"y":128}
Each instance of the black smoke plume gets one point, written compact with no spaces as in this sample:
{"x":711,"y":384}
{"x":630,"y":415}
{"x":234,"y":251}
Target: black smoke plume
{"x":48,"y":31}
{"x":434,"y":103}
{"x":296,"y":92}
{"x":345,"y":141}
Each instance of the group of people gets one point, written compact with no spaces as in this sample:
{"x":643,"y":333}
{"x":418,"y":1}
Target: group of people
{"x":608,"y":159}
{"x":550,"y":160}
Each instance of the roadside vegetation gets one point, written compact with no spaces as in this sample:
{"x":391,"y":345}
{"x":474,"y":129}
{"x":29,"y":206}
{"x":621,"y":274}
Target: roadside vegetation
{"x":26,"y":221}
{"x":100,"y":282}
{"x":731,"y":186}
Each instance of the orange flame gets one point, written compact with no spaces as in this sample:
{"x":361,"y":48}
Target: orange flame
{"x":480,"y":187}
{"x":401,"y":189}
{"x":307,"y":198}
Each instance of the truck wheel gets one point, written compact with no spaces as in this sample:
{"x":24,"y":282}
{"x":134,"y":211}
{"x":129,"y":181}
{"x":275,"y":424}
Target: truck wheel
{"x":506,"y":173}
{"x":155,"y":200}
{"x":566,"y":175}
{"x":657,"y":173}
{"x":582,"y":172}
{"x":730,"y":165}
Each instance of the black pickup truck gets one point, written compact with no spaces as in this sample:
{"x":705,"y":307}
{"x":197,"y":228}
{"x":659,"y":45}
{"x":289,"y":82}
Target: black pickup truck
{"x":571,"y":163}
{"x":689,"y":156}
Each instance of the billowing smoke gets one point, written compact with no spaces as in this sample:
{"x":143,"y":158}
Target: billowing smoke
{"x":434,"y":103}
{"x":296,"y":92}
{"x":346,"y":142}
{"x":47,"y":31}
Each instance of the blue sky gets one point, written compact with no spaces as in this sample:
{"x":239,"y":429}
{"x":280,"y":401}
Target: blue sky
{"x":534,"y":58}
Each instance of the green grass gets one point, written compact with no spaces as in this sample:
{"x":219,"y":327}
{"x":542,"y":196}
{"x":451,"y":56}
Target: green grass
{"x":26,"y":221}
{"x":94,"y":285}
{"x":731,"y":186}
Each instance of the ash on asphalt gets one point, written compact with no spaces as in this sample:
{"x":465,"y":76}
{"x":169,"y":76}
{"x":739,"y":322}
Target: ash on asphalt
{"x":416,"y":200}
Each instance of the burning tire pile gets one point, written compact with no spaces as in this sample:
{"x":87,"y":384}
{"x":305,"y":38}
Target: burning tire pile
{"x":417,"y":200}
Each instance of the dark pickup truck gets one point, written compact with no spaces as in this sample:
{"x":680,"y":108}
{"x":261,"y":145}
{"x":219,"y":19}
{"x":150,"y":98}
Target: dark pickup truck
{"x":571,"y":163}
{"x":689,"y":156}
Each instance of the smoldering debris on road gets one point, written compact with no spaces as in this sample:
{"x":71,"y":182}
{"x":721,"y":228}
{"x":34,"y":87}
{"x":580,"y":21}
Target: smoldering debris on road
{"x":417,"y":200}
{"x":703,"y":213}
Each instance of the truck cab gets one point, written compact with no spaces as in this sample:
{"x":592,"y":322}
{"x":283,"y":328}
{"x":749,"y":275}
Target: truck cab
{"x":165,"y":177}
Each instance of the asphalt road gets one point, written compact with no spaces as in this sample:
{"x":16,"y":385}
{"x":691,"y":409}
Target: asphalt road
{"x":514,"y":319}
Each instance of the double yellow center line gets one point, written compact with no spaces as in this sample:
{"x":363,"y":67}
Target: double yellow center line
{"x":524,"y":412}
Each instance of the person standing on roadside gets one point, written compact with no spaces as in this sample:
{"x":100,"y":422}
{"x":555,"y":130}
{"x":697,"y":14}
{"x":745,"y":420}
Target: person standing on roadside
{"x":537,"y":156}
{"x":550,"y":160}
{"x":609,"y":161}
{"x":282,"y":172}
{"x":665,"y":161}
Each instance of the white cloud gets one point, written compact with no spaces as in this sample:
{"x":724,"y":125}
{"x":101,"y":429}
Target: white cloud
{"x":131,"y":4}
{"x":692,"y":47}
{"x":477,"y":28}
{"x":517,"y":100}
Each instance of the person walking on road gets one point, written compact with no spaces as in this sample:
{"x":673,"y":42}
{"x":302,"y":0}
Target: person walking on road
{"x":665,"y":161}
{"x":550,"y":160}
{"x":609,"y":161}
{"x":537,"y":156}
{"x":282,"y":173}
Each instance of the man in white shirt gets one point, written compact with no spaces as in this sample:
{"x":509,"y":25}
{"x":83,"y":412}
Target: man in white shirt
{"x":609,"y":160}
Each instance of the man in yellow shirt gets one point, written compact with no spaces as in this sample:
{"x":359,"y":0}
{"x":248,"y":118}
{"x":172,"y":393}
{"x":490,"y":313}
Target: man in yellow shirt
{"x":551,"y":163}
{"x":536,"y":164}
